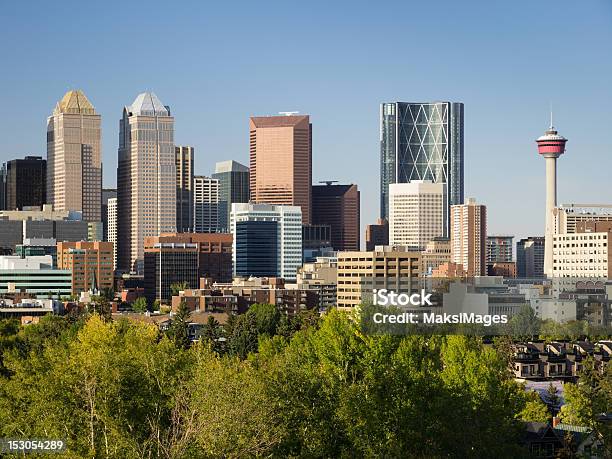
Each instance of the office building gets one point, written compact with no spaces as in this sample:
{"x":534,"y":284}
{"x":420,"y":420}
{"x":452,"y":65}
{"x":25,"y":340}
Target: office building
{"x":551,"y":145}
{"x":233,"y":180}
{"x":468,"y":237}
{"x":184,"y":189}
{"x":107,"y":194}
{"x":436,"y":253}
{"x":26,"y":183}
{"x":33,"y":275}
{"x":316,"y":241}
{"x":37,"y":247}
{"x":185,"y":257}
{"x":3,"y":187}
{"x":267,"y":240}
{"x":146,"y":178}
{"x":359,"y":273}
{"x":582,"y":255}
{"x":338,"y":206}
{"x":74,"y":162}
{"x":91,"y":264}
{"x":206,"y":204}
{"x":567,"y":216}
{"x":320,"y":275}
{"x":415,"y":213}
{"x":377,"y":234}
{"x":499,"y":249}
{"x":111,"y":225}
{"x":95,"y":231}
{"x":281,"y":161}
{"x":530,"y":257}
{"x":422,"y":141}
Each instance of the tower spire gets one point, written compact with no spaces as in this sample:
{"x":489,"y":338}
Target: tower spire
{"x":552,"y":128}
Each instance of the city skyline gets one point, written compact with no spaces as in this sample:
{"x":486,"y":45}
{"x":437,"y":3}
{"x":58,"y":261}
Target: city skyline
{"x":500,"y":81}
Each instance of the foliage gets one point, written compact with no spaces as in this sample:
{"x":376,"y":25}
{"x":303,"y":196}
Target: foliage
{"x":535,"y":409}
{"x":178,"y":287}
{"x":140,"y":304}
{"x":179,"y":329}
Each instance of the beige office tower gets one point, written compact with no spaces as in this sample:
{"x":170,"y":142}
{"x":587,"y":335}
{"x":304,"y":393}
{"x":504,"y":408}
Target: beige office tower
{"x":416,"y":214}
{"x":146,"y":178}
{"x":112,"y":227}
{"x":281,"y":161}
{"x":469,"y":236}
{"x":184,"y":189}
{"x":74,"y":163}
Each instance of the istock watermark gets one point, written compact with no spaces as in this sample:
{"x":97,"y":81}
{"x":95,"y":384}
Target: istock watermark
{"x":384,"y":297}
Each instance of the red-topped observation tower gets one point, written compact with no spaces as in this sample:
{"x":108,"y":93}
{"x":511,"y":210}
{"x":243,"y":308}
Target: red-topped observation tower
{"x":551,"y":145}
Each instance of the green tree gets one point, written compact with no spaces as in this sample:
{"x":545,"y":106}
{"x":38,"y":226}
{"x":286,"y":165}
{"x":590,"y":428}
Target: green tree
{"x":535,"y":409}
{"x":156,"y":305}
{"x":525,"y":324}
{"x":552,"y":398}
{"x":179,"y":328}
{"x":244,"y":338}
{"x":177,"y":287}
{"x":140,"y":304}
{"x":266,"y":316}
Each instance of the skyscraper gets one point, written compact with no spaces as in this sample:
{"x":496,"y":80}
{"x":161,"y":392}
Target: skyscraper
{"x":264,"y":236}
{"x":468,"y":237}
{"x":146,"y":178}
{"x":233,"y":188}
{"x":551,"y":145}
{"x":530,"y":257}
{"x":107,"y":193}
{"x":184,"y":189}
{"x":422,"y":141}
{"x":26,"y":183}
{"x":110,"y":225}
{"x":377,"y":234}
{"x":415,"y":213}
{"x":281,"y":161}
{"x":206,"y":204}
{"x":74,"y":163}
{"x":338,"y":207}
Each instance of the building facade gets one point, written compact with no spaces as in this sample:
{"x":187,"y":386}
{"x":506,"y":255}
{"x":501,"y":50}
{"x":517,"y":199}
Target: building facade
{"x":74,"y":161}
{"x":422,"y":141}
{"x":281,"y":161}
{"x":107,"y":193}
{"x":377,"y":234}
{"x":185,"y":257}
{"x":436,"y":253}
{"x":415,"y":213}
{"x":339,"y":207}
{"x":146,"y":178}
{"x":287,"y":252}
{"x":34,"y":275}
{"x":359,"y":273}
{"x":499,"y":249}
{"x":184,"y":189}
{"x":26,"y":183}
{"x":206,"y":204}
{"x":468,"y":237}
{"x":233,"y":180}
{"x":111,"y":225}
{"x":530,"y":257}
{"x":91,"y":264}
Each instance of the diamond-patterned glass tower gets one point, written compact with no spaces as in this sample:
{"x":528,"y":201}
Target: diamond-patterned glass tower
{"x":422,"y":141}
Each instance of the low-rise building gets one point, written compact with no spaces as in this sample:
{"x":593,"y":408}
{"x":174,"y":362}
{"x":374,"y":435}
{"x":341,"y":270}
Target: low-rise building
{"x":91,"y":264}
{"x":386,"y":267}
{"x":33,"y":275}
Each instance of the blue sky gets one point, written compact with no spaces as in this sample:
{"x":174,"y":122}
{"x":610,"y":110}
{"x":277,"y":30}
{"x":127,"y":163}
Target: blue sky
{"x":217,"y":63}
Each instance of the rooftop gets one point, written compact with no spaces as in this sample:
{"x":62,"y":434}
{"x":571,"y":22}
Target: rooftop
{"x":148,"y":104}
{"x":75,"y":101}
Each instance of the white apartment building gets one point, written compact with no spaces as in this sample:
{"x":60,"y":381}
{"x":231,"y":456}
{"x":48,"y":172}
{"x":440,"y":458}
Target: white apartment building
{"x":415,"y":213}
{"x":288,"y":233}
{"x":146,"y":178}
{"x":582,"y":255}
{"x":205,"y":204}
{"x":566,"y":216}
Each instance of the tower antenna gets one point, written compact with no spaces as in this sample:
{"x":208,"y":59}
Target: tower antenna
{"x":551,"y":117}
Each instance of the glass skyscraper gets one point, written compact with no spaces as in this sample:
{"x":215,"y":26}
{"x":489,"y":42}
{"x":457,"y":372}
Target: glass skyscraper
{"x":422,"y":141}
{"x":233,"y":180}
